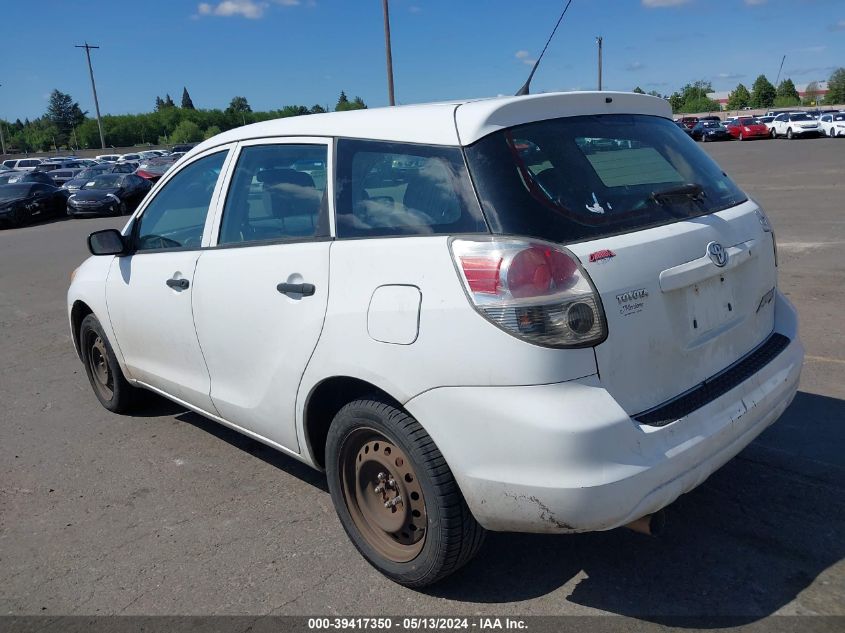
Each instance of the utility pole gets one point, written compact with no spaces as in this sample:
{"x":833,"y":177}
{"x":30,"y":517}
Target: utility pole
{"x":88,"y":48}
{"x":599,"y":41}
{"x":2,"y":140}
{"x":388,"y":52}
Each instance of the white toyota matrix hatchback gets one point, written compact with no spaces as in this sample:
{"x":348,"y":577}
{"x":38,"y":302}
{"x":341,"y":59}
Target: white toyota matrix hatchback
{"x":549,"y":313}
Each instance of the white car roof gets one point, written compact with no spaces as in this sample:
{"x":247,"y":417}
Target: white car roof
{"x":449,"y":123}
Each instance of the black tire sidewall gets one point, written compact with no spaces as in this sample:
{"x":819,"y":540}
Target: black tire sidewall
{"x":120,"y":388}
{"x":364,"y":413}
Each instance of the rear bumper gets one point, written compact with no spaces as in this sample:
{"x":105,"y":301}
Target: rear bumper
{"x":566,"y":458}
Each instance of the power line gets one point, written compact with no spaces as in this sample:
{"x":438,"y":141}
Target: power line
{"x":88,"y":48}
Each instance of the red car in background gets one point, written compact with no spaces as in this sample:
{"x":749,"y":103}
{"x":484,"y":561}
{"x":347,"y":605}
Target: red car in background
{"x":688,"y":121}
{"x":746,"y":127}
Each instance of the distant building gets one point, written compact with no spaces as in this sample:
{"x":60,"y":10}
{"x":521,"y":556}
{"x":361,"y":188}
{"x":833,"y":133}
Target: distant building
{"x":722,"y":97}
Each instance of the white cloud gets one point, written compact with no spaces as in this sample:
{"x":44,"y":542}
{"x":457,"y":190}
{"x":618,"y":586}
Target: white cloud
{"x":730,"y":75}
{"x":635,"y":66}
{"x":525,"y":58}
{"x":657,"y":4}
{"x":250,"y":9}
{"x":244,"y":8}
{"x":837,"y":26}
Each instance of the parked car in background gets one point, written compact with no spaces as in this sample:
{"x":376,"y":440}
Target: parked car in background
{"x":16,"y":176}
{"x":710,"y":117}
{"x":108,"y":194}
{"x":462,"y":335}
{"x":688,"y":121}
{"x":97,"y":170}
{"x":832,"y":124}
{"x":683,"y":127}
{"x":744,"y":128}
{"x":710,"y":131}
{"x":62,"y":176}
{"x":182,"y":148}
{"x":109,"y":158}
{"x":25,"y":202}
{"x":155,"y":168}
{"x":50,"y":165}
{"x":23,"y":164}
{"x":132,"y":157}
{"x":794,"y":125}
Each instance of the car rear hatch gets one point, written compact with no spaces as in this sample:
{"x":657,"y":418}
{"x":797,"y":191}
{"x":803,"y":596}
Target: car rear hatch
{"x":683,"y":262}
{"x":675,"y":317}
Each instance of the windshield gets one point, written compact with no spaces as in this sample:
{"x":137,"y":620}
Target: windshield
{"x":711,"y":124}
{"x":800,"y":117}
{"x":106,"y":181}
{"x":748,"y":122}
{"x":12,"y":192}
{"x":590,"y":176}
{"x":92,"y":171}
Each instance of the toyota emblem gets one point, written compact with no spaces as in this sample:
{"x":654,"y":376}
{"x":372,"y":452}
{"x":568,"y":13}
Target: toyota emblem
{"x":718,"y":254}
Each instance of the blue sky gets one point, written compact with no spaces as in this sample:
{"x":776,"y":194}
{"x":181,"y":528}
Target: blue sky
{"x":279,"y":52}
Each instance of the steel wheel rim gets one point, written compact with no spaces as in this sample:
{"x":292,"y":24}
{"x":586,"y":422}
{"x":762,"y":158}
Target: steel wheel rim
{"x":101,"y":375}
{"x":383,"y":494}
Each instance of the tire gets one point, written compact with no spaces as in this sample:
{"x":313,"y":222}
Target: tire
{"x":830,"y":133}
{"x":789,"y":134}
{"x":429,"y":532}
{"x":774,"y":133}
{"x":740,"y":137}
{"x":107,"y":380}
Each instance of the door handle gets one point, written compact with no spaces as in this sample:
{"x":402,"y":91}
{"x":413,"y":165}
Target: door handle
{"x":306,"y":290}
{"x":178,"y":284}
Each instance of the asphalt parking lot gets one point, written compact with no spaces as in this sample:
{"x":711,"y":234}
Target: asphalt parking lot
{"x":167,"y":513}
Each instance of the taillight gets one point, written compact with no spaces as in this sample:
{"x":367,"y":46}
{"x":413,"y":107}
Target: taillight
{"x":144,"y":174}
{"x":533,"y":290}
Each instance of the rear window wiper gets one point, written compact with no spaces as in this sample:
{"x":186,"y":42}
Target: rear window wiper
{"x":691,"y":191}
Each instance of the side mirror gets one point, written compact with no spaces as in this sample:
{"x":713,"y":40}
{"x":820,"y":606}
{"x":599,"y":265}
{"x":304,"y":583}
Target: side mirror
{"x":106,"y":242}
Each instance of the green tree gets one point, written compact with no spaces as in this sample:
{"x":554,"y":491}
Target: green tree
{"x":739,"y":98}
{"x":763,"y":93}
{"x":638,"y":90}
{"x":159,"y":103}
{"x":211,"y":131}
{"x":317,"y":109}
{"x":342,"y":102}
{"x":654,"y":93}
{"x":64,"y":113}
{"x":676,"y":101}
{"x":786,"y":94}
{"x":694,"y":97}
{"x":186,"y":132}
{"x":812,"y":94}
{"x":187,"y":104}
{"x":836,"y":87}
{"x":239,"y":104}
{"x":168,"y":102}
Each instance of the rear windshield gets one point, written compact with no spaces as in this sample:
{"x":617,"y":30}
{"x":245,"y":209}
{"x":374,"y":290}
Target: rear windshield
{"x":579,"y":178}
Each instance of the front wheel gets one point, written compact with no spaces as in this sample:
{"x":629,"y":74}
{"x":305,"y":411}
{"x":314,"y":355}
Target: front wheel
{"x":789,"y":134}
{"x":107,"y":380}
{"x":395,"y":495}
{"x":741,"y":137}
{"x":774,"y":133}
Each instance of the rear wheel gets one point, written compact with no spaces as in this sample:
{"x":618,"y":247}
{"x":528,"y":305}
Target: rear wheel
{"x":107,"y":380}
{"x":395,"y":495}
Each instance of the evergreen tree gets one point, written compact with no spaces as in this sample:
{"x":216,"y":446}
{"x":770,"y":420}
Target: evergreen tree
{"x":159,"y":103}
{"x":639,"y":90}
{"x":187,"y":104}
{"x":168,"y":102}
{"x":342,"y":102}
{"x":786,"y":94}
{"x":836,"y":87}
{"x":739,"y":98}
{"x":763,"y":93}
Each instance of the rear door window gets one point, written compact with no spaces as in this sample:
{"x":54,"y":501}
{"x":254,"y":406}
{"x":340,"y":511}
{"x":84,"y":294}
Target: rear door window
{"x":578,"y":178}
{"x":391,"y":189}
{"x":277,"y":193}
